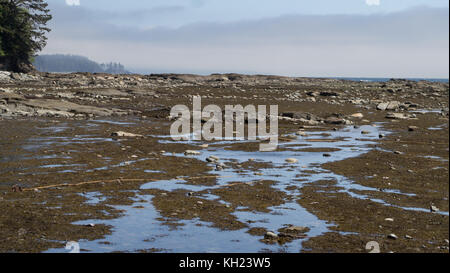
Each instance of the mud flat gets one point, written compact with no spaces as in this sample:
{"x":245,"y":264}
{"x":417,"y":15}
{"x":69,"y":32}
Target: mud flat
{"x":89,"y":158}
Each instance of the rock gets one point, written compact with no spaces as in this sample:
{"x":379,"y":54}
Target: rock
{"x":326,"y":155}
{"x":192,"y":152}
{"x":124,"y":134}
{"x":365,"y":132}
{"x":413,"y":128}
{"x":382,"y":106}
{"x":313,"y":94}
{"x":296,"y":229}
{"x":389,"y":219}
{"x":381,"y":135}
{"x":398,"y":153}
{"x":301,"y":133}
{"x":5,"y":75}
{"x":335,"y":120}
{"x":393,"y":105}
{"x":389,"y":106}
{"x":397,"y":116}
{"x":433,"y":208}
{"x":270,"y":235}
{"x":408,"y":237}
{"x":212,"y":159}
{"x":357,"y":115}
{"x":392,"y":236}
{"x":17,"y":188}
{"x":292,"y":160}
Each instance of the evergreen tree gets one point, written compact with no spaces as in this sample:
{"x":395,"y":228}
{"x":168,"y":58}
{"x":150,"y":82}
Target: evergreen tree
{"x":23,"y":29}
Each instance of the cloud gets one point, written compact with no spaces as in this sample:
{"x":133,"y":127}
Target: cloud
{"x":373,"y":2}
{"x":411,"y":43}
{"x":73,"y":2}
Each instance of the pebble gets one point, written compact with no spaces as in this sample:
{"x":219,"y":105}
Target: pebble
{"x":327,"y":155}
{"x":357,"y":115}
{"x":389,"y":219}
{"x":204,"y":146}
{"x":124,"y":134}
{"x":212,"y":159}
{"x":365,"y":132}
{"x":434,"y":209}
{"x":408,"y":237}
{"x":301,"y":133}
{"x":291,"y":160}
{"x":392,"y":236}
{"x":412,"y":128}
{"x":270,"y":235}
{"x":191,"y":152}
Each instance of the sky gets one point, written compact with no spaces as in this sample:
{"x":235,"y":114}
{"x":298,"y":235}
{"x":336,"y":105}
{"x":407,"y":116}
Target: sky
{"x":320,"y":38}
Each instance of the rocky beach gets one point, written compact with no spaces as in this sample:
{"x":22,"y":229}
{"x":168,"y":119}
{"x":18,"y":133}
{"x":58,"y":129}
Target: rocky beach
{"x":89,"y":158}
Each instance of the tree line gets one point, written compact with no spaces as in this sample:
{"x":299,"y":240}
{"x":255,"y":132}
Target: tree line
{"x":74,"y":63}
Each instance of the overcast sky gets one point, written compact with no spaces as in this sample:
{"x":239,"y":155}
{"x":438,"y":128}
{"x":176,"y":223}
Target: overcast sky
{"x":350,"y":38}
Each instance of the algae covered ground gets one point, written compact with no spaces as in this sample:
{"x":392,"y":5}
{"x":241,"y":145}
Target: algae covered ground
{"x":371,"y":165}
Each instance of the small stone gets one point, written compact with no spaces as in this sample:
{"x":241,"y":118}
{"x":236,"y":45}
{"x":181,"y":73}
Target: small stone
{"x":90,"y":225}
{"x":326,"y":155}
{"x":192,"y":152}
{"x":357,"y":115}
{"x":433,"y":208}
{"x":398,"y":153}
{"x":389,"y":219}
{"x":291,"y":160}
{"x":365,"y":132}
{"x":392,"y":236}
{"x":301,"y":133}
{"x":204,"y":146}
{"x":124,"y":134}
{"x":381,"y":136}
{"x":212,"y":159}
{"x":270,"y":235}
{"x":408,"y":237}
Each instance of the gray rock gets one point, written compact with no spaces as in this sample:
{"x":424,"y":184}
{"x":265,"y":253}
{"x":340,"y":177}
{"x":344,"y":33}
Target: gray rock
{"x":397,"y":116}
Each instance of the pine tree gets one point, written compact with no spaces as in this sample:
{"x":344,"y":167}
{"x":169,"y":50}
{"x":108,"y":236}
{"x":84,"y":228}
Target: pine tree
{"x":22,"y":30}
